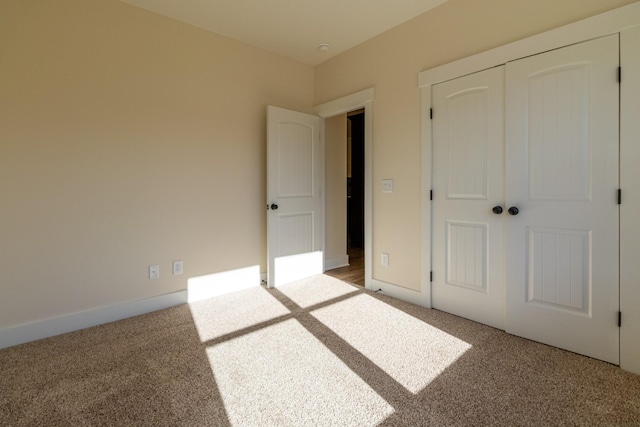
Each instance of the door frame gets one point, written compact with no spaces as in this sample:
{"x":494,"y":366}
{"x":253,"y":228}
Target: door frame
{"x":612,"y":22}
{"x":345,"y":104}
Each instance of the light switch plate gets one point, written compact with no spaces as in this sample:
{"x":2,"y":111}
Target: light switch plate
{"x":384,"y":260}
{"x":178,"y":267}
{"x":387,"y":186}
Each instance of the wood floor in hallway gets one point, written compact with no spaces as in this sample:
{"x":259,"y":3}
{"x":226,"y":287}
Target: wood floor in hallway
{"x":352,"y":273}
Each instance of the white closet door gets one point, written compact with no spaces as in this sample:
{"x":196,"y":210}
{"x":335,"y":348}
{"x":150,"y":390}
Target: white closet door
{"x":468,"y":183}
{"x":562,"y":175}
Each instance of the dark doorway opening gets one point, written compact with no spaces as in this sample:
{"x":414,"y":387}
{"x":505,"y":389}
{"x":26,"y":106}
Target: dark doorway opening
{"x":355,"y":183}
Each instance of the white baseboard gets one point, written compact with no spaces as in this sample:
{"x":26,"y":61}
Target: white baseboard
{"x":336,"y":262}
{"x":402,"y":293}
{"x":50,"y":327}
{"x":198,"y":288}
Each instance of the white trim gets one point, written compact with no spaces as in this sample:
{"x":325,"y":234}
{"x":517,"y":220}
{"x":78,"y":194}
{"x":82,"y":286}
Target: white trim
{"x":629,"y":182}
{"x":368,"y":194}
{"x":624,"y":20}
{"x":355,"y":101}
{"x":425,"y":276}
{"x":601,"y":25}
{"x":323,"y":189}
{"x":399,"y":292}
{"x":336,"y":262}
{"x":50,"y":327}
{"x":345,"y":104}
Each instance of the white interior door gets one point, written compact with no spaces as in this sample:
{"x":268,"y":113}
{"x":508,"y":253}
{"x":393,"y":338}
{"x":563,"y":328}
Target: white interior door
{"x":295,"y":220}
{"x":468,"y":195}
{"x":562,"y":176}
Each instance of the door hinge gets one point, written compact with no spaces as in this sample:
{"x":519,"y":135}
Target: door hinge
{"x":619,"y":74}
{"x":431,"y":276}
{"x":619,"y":196}
{"x":430,"y":194}
{"x":431,"y":113}
{"x":619,"y":319}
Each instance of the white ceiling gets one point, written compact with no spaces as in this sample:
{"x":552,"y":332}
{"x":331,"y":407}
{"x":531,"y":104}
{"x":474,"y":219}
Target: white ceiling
{"x":294,"y":28}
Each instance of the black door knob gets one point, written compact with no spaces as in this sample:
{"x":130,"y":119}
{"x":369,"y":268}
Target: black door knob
{"x":274,"y":206}
{"x":513,"y":210}
{"x":497,"y":210}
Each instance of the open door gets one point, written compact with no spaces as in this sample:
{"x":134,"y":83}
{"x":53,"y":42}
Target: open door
{"x":295,"y":206}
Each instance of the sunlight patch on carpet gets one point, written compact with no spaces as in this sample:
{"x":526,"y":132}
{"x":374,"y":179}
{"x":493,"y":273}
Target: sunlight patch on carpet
{"x":317,"y":289}
{"x":413,"y":352}
{"x":225,"y":314}
{"x":283,"y":375}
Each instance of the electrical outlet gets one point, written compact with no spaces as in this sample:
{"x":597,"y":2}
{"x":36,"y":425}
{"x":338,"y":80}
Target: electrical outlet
{"x":178,"y":267}
{"x":384,"y":260}
{"x":154,"y":271}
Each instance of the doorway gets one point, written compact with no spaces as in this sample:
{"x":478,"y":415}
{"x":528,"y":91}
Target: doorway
{"x":329,"y":110}
{"x":354,"y":271}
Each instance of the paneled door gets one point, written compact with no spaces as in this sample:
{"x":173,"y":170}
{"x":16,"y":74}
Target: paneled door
{"x":294,"y":196}
{"x":562,"y":181}
{"x":468,"y":196}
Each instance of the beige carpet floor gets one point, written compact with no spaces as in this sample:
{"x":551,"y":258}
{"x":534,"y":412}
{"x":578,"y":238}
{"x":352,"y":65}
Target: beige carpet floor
{"x":315,"y":352}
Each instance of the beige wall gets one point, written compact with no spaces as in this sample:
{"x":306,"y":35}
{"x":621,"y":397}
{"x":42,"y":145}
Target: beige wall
{"x":127,"y":139}
{"x":391,"y":63}
{"x":336,"y":186}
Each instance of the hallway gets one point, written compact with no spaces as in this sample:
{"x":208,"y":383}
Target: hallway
{"x":352,"y":273}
